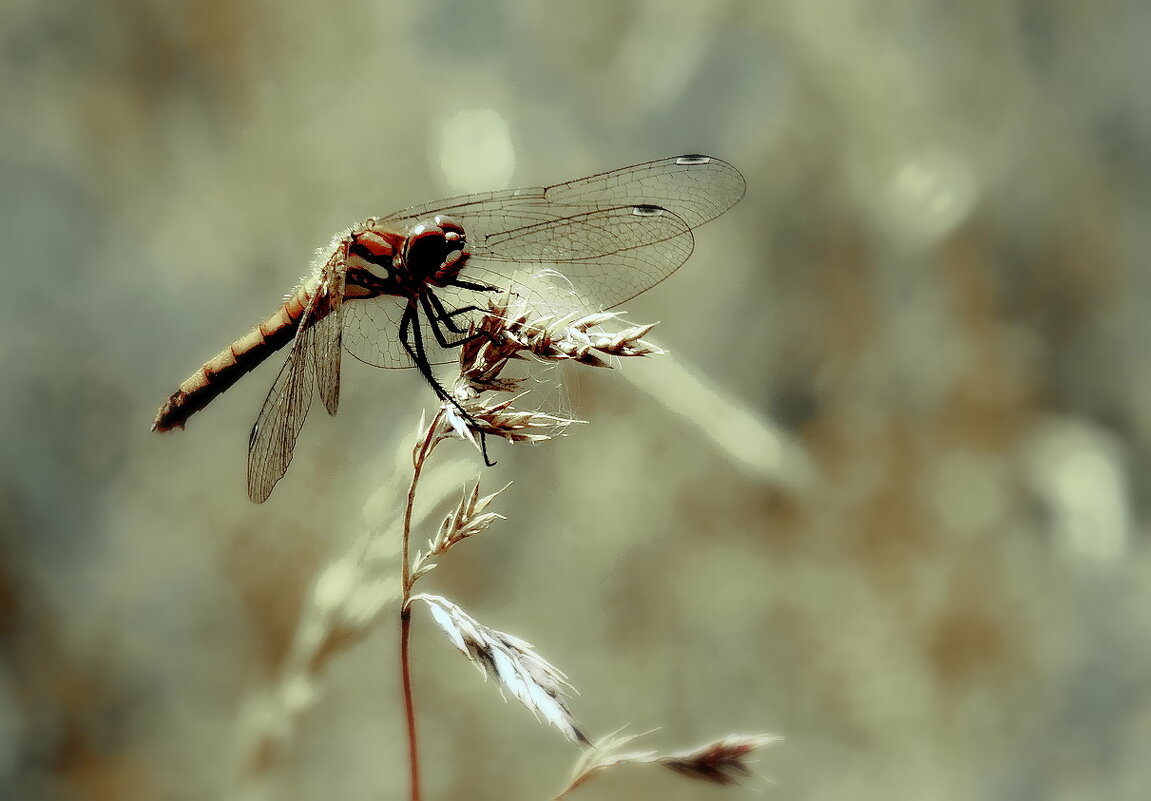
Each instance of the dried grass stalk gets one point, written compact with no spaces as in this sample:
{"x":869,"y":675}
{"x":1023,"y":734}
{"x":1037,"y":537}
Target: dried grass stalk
{"x":466,"y":520}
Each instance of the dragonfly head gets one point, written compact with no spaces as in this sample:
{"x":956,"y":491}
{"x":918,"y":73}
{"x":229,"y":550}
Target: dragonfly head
{"x":435,"y":250}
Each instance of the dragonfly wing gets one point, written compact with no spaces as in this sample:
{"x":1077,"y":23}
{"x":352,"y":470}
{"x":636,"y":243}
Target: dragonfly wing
{"x":371,"y":331}
{"x":273,"y":437}
{"x":464,"y":204}
{"x":326,"y":337}
{"x":601,"y":259}
{"x":593,"y":284}
{"x":695,"y":188}
{"x":583,"y":236}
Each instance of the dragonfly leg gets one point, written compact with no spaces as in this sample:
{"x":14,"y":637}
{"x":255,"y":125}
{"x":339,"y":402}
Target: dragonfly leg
{"x":441,"y":315}
{"x":445,"y":316}
{"x":413,"y":342}
{"x":472,"y":285}
{"x":436,"y":314}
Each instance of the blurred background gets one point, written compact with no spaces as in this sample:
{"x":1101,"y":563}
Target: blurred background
{"x":886,"y":496}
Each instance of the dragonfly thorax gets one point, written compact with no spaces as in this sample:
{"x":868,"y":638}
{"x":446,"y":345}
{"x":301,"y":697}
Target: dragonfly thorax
{"x":404,"y":261}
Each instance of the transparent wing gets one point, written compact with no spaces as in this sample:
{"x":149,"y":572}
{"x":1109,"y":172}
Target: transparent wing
{"x":273,"y":437}
{"x":577,"y":287}
{"x":372,"y":331}
{"x":327,"y":340}
{"x":315,"y":354}
{"x":601,"y":259}
{"x":588,"y":262}
{"x":695,"y":188}
{"x":583,"y":236}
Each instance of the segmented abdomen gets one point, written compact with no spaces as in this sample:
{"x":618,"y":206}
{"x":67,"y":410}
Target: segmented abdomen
{"x":236,"y":361}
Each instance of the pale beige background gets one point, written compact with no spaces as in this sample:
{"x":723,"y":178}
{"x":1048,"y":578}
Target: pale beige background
{"x":908,"y":529}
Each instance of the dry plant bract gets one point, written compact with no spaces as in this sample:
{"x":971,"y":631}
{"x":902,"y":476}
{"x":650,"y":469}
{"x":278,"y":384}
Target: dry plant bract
{"x":723,"y":761}
{"x":531,"y":679}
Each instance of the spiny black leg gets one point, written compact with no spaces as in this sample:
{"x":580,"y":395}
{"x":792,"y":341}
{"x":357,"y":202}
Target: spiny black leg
{"x":405,"y":329}
{"x":473,"y":286}
{"x":429,"y":302}
{"x":409,"y":317}
{"x":413,"y":341}
{"x":421,"y":355}
{"x":445,"y":316}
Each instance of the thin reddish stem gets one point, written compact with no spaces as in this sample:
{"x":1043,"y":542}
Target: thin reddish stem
{"x":409,"y":703}
{"x":406,"y":611}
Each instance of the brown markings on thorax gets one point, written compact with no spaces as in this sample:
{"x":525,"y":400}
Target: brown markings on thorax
{"x":375,"y":265}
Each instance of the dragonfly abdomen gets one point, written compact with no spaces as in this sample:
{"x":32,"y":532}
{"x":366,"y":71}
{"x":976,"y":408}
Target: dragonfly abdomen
{"x":218,"y":374}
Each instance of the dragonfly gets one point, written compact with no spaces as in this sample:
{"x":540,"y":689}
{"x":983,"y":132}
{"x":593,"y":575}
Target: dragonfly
{"x":404,"y":290}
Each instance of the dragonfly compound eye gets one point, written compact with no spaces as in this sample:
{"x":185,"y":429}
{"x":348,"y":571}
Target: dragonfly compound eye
{"x":433,"y":254}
